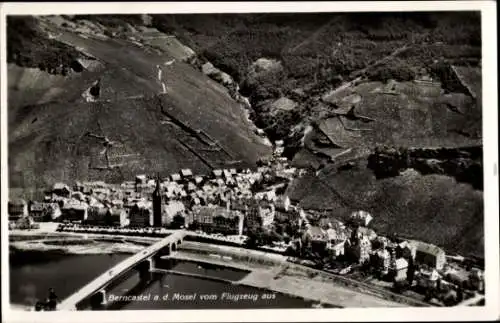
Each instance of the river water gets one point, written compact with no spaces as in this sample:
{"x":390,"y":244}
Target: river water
{"x":33,"y":273}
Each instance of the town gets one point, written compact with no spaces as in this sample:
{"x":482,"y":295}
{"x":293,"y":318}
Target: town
{"x":250,"y":209}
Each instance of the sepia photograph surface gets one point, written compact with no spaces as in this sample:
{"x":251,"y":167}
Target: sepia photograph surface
{"x":237,"y":160}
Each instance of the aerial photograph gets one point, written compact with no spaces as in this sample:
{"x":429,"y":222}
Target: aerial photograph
{"x":245,"y":161}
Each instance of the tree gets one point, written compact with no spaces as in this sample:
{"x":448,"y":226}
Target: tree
{"x":279,"y":228}
{"x":411,"y":271}
{"x":292,"y":250}
{"x":178,"y":221}
{"x":255,"y":238}
{"x":275,"y":236}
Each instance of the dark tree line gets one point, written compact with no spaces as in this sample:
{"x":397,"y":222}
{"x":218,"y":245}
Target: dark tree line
{"x":27,"y":46}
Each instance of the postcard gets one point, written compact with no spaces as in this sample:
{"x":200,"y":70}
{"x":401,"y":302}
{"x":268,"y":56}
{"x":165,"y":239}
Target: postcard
{"x":249,"y":161}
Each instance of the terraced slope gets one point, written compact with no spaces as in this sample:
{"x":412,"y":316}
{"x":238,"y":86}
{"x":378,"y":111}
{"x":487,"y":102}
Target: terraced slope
{"x":397,"y":114}
{"x":418,"y":196}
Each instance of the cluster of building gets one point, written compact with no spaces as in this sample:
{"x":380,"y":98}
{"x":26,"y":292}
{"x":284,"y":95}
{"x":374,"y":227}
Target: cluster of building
{"x":225,"y":201}
{"x":233,"y":202}
{"x":419,"y":264}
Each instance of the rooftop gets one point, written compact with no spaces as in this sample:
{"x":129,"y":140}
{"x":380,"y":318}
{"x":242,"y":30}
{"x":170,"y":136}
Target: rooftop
{"x":401,"y":263}
{"x":116,"y":211}
{"x":317,"y":233}
{"x":37,"y":206}
{"x":73,"y":205}
{"x":214,"y":211}
{"x":60,"y":186}
{"x":143,"y":204}
{"x":176,"y":177}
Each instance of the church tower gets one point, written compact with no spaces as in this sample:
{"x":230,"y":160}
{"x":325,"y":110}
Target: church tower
{"x":157,"y":204}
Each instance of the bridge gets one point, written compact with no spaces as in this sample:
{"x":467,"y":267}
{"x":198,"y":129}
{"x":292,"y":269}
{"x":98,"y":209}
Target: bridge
{"x":93,"y":294}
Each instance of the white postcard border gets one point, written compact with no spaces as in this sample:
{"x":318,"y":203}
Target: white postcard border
{"x":490,"y":164}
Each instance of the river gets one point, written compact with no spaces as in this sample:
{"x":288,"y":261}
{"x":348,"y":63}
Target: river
{"x":33,"y":273}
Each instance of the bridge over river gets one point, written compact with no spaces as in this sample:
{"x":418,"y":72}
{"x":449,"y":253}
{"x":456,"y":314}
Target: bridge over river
{"x":94,"y":293}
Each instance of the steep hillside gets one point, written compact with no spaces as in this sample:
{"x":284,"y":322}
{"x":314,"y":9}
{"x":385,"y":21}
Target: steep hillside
{"x":431,"y":208}
{"x":397,"y":114}
{"x":408,"y":152}
{"x":408,"y":81}
{"x":113,"y":119}
{"x":140,"y":142}
{"x":384,"y":109}
{"x":320,"y":51}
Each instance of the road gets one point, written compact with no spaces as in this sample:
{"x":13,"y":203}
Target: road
{"x":346,"y":85}
{"x":383,"y":59}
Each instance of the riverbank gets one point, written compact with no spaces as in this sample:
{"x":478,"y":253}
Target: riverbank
{"x":47,"y":239}
{"x":86,"y":246}
{"x":25,"y":239}
{"x":267,"y":271}
{"x":270,"y":271}
{"x":274,"y":272}
{"x":276,"y":278}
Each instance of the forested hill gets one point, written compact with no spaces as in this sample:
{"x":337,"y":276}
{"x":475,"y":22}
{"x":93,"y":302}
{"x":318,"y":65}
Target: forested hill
{"x":318,"y":52}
